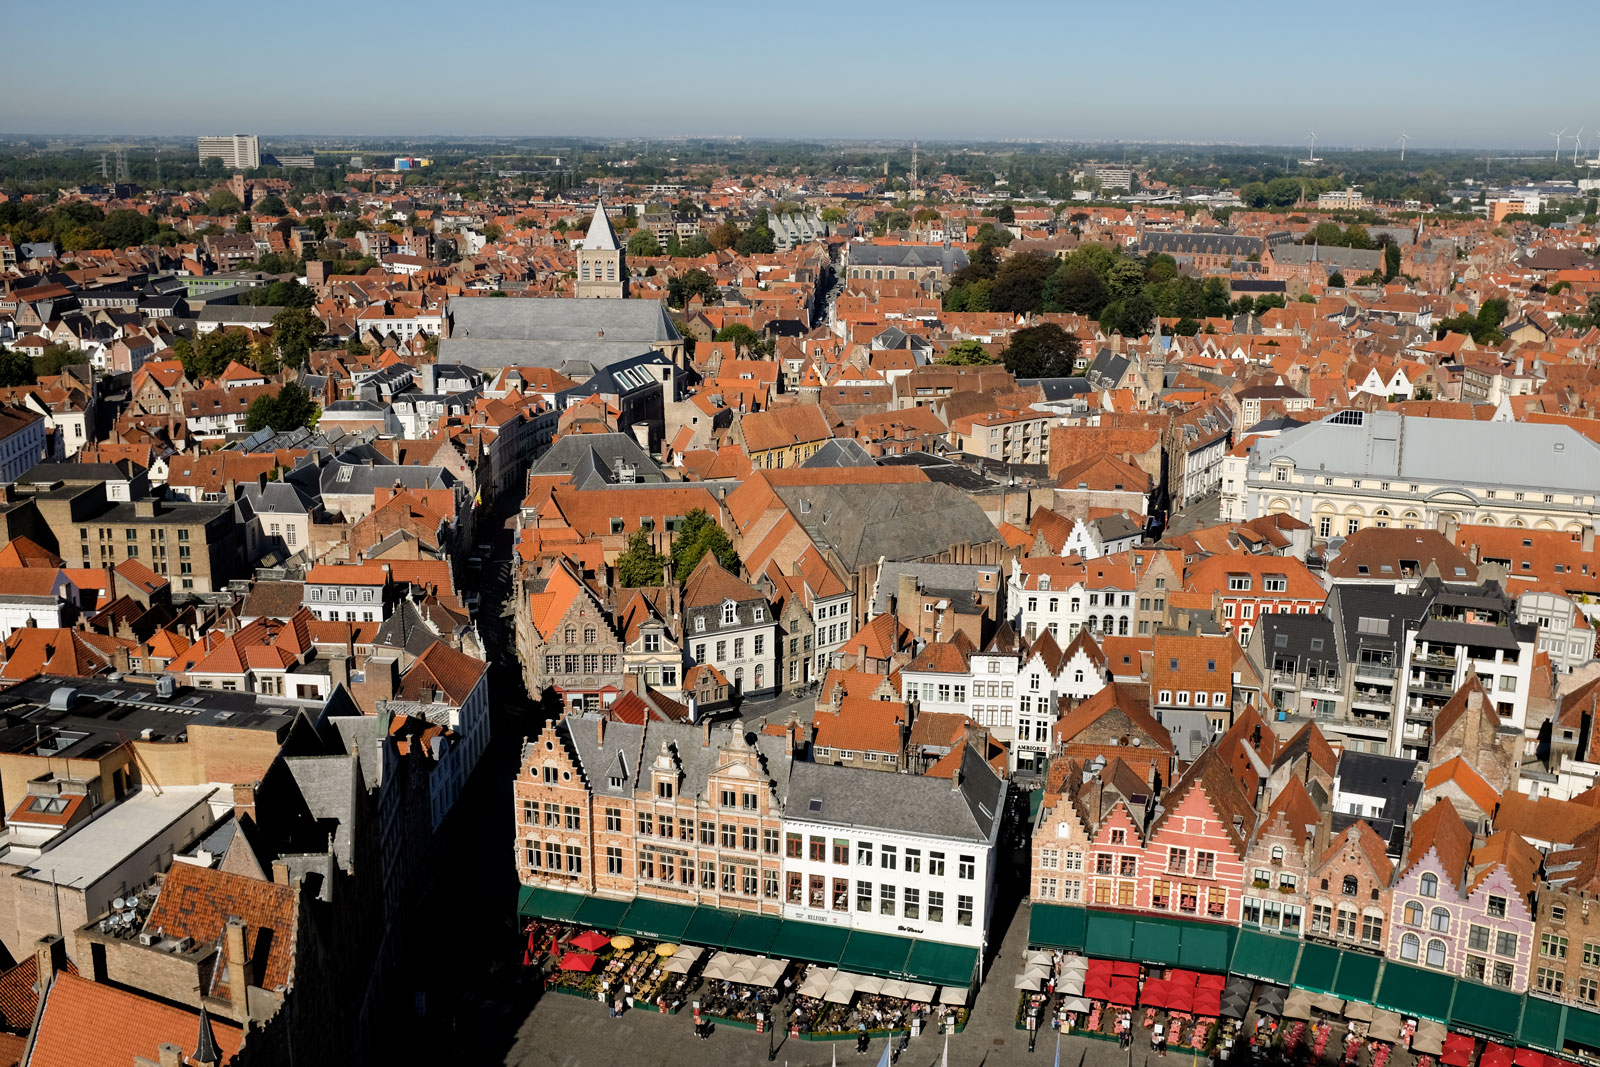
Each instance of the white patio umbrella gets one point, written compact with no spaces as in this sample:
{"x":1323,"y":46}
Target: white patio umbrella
{"x":1027,"y":981}
{"x":954,"y":995}
{"x":866,"y":983}
{"x":817,"y":981}
{"x":894,"y":987}
{"x":1076,"y":1004}
{"x":721,"y":965}
{"x":922,"y":994}
{"x":841,"y":989}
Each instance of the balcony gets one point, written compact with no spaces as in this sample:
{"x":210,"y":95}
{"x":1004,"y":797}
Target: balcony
{"x":1435,"y":659}
{"x":1283,"y":680}
{"x":1432,"y":687}
{"x":1375,"y":672}
{"x":1372,"y":701}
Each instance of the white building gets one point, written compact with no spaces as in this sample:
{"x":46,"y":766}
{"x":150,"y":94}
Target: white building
{"x":238,"y":151}
{"x":1356,"y":469}
{"x":21,"y":442}
{"x":894,"y":854}
{"x":37,"y":596}
{"x":1565,"y":632}
{"x":347,"y":591}
{"x":1062,"y":597}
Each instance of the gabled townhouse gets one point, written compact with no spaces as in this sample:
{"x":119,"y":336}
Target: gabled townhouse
{"x":1350,"y":891}
{"x":1116,"y":724}
{"x":353,"y":592}
{"x":1205,"y":673}
{"x":1277,"y":867}
{"x":856,"y":730}
{"x":1567,"y":925}
{"x":442,"y":688}
{"x":1451,"y":915}
{"x":647,"y":626}
{"x":728,"y":623}
{"x":1194,"y":850}
{"x":566,"y":641}
{"x":1065,"y":596}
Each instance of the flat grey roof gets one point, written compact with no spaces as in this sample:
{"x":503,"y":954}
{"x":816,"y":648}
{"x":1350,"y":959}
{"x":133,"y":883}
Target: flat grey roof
{"x":99,"y":846}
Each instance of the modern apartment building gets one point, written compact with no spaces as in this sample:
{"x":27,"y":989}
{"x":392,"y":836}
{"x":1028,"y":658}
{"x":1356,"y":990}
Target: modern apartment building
{"x":238,"y":151}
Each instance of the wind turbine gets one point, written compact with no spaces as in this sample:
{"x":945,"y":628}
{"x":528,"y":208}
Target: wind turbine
{"x":1577,"y":145}
{"x":1404,"y":137}
{"x":1558,"y":137}
{"x":1311,"y":152}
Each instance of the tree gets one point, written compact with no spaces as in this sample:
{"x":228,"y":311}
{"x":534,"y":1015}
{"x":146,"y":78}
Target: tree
{"x":697,"y":535}
{"x":989,"y":236}
{"x":1124,"y":277}
{"x":346,"y":229}
{"x":755,"y":241}
{"x":1019,"y":283}
{"x":1356,"y":236}
{"x":290,"y":409}
{"x":126,"y":229}
{"x":1326,"y":234}
{"x":210,"y":355}
{"x":242,"y":224}
{"x":1336,"y":280}
{"x":643,"y":243}
{"x":831,"y":215}
{"x":723,"y":235}
{"x":696,"y":246}
{"x":1186,"y":327}
{"x":1162,"y":268}
{"x":55,"y":358}
{"x":745,"y":339}
{"x":223,"y":202}
{"x":492,"y":233}
{"x":295,"y":331}
{"x":16,"y":368}
{"x":1267,"y":301}
{"x":1214,"y":298}
{"x":1043,"y":351}
{"x":1391,"y":261}
{"x":640,"y":564}
{"x":271,"y":205}
{"x":967,"y":353}
{"x":1076,"y":289}
{"x":690,"y":284}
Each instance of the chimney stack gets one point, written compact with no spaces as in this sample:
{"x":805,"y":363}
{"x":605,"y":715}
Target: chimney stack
{"x":600,"y":732}
{"x":705,"y":734}
{"x":49,"y":956}
{"x":241,"y":972}
{"x":168,"y":1055}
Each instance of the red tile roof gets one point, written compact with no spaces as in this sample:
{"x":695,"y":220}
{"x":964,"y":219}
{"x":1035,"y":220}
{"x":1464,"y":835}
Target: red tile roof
{"x":91,"y":1024}
{"x":197,"y":902}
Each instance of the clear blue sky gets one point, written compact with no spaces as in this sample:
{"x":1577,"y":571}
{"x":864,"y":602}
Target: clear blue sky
{"x":1456,"y":75}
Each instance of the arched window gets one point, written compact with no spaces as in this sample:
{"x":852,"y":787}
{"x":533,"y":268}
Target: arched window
{"x":1413,"y":913}
{"x":1122,"y":626}
{"x":588,"y":635}
{"x":1277,"y":853}
{"x":572,"y":635}
{"x":730,"y":614}
{"x":738,"y":679}
{"x":1430,"y":885}
{"x":1077,"y":676}
{"x":1409,"y":947}
{"x":760,"y":674}
{"x":1435,"y":953}
{"x":1351,"y":887}
{"x":1439,"y":921}
{"x":1106,"y":624}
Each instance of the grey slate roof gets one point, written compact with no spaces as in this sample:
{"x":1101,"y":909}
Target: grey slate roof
{"x":588,"y":454}
{"x":840,"y":452}
{"x":575,"y":359}
{"x":1200,"y":243}
{"x":865,"y":523}
{"x":1306,"y":640}
{"x":1057,"y":389}
{"x":1372,"y":617}
{"x":1387,"y":444}
{"x":944,"y":577}
{"x":1361,"y":260}
{"x":526,"y":319}
{"x":944,"y":257}
{"x":628,"y":751}
{"x":967,"y":810}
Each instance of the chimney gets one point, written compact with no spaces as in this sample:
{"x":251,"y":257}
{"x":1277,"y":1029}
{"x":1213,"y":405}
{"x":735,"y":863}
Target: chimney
{"x":49,"y":956}
{"x":905,"y":592}
{"x":241,"y":972}
{"x":705,"y":734}
{"x":339,"y":670}
{"x":168,"y":1055}
{"x":244,"y":799}
{"x":600,"y":731}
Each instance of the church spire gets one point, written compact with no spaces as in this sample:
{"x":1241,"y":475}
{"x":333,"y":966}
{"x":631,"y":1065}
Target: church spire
{"x":601,"y":236}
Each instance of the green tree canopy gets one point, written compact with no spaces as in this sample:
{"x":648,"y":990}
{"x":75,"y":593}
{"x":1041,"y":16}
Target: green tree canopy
{"x":270,"y":205}
{"x":295,"y":331}
{"x":699,"y":534}
{"x":223,"y":202}
{"x":209,"y":355}
{"x":1336,"y":280}
{"x":967,"y":353}
{"x":1043,"y":351}
{"x":640,"y":564}
{"x":690,"y":284}
{"x":643,"y":243}
{"x":745,"y":339}
{"x":1018,"y":285}
{"x":1078,"y":290}
{"x":16,"y":368}
{"x":290,"y":409}
{"x":756,"y":241}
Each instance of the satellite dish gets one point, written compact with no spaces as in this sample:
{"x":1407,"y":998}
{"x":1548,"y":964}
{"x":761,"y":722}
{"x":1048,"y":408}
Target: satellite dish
{"x":118,"y":904}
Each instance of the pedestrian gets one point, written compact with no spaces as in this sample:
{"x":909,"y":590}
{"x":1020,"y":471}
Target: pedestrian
{"x":1155,"y":1036}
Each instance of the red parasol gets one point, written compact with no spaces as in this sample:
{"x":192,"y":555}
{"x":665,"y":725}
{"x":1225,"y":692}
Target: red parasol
{"x":1125,"y":968}
{"x":1181,"y":998}
{"x":1124,"y":990}
{"x":1208,"y":1002}
{"x":578,"y":961}
{"x":1495,"y":1056}
{"x":1457,"y":1050}
{"x":590,"y":941}
{"x":1155,"y":994}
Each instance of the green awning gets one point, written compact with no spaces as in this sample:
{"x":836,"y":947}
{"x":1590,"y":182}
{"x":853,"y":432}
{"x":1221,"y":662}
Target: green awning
{"x":1155,"y":941}
{"x":1206,"y":947}
{"x":535,"y":903}
{"x":883,"y":955}
{"x":1318,"y":964}
{"x":1108,"y":936}
{"x":1265,"y":957}
{"x":1057,"y":926}
{"x":1484,"y":1010}
{"x":1035,"y":802}
{"x":811,"y":942}
{"x":658,"y":920}
{"x":710,"y":926}
{"x":1414,"y":991}
{"x":1582,"y":1028}
{"x":601,"y":913}
{"x":937,"y":963}
{"x":1541,"y":1024}
{"x":1358,"y":976}
{"x":754,"y":934}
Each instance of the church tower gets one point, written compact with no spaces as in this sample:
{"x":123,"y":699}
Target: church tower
{"x":600,"y":260}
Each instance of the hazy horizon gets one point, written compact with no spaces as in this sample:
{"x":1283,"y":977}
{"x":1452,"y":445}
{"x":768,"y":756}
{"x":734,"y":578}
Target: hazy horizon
{"x":1264,"y":78}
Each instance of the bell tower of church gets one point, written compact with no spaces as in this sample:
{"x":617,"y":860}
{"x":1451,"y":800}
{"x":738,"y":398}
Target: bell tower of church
{"x":600,"y":261}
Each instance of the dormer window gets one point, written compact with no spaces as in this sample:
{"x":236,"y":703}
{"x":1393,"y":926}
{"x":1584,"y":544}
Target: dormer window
{"x":760,"y":614}
{"x":699,"y":624}
{"x":730,"y":613}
